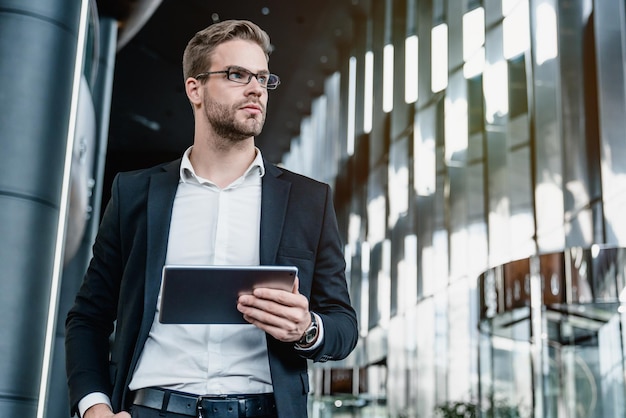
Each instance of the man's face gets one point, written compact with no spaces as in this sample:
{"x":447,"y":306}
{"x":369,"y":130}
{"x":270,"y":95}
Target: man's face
{"x":236,"y":111}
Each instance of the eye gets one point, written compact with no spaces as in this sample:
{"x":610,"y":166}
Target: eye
{"x":263,"y":78}
{"x":237,"y":74}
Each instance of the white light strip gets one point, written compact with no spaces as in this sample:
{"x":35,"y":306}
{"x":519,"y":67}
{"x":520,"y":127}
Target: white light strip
{"x":368,"y":99}
{"x":547,"y":36}
{"x":63,"y":209}
{"x":473,"y":32}
{"x":411,"y":46}
{"x":388,"y":78}
{"x":351,"y":106}
{"x":439,"y":57}
{"x":516,"y":30}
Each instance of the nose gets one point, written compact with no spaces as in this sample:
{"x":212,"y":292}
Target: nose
{"x":255,"y":87}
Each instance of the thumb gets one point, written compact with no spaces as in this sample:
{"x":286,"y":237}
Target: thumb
{"x":296,"y":286}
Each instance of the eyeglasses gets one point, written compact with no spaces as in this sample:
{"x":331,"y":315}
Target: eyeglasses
{"x":243,"y":76}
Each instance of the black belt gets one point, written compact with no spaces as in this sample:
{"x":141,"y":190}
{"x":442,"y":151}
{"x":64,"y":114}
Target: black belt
{"x":213,"y":406}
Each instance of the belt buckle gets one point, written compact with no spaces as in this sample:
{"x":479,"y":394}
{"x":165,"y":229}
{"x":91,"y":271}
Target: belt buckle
{"x":240,"y":403}
{"x":199,"y":407}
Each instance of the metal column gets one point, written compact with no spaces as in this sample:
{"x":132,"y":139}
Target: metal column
{"x":38,"y":53}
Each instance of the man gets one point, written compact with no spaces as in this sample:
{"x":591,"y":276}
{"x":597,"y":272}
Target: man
{"x":220,"y":204}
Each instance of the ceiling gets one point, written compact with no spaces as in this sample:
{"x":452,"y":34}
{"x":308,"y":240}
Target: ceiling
{"x":151,"y":120}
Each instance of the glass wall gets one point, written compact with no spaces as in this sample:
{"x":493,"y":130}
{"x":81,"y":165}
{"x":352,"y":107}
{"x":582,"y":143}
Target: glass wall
{"x":461,"y":136}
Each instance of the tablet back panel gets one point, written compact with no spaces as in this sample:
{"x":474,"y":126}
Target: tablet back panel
{"x":208,"y":294}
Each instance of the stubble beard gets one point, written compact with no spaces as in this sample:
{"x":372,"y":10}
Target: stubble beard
{"x":224,"y":123}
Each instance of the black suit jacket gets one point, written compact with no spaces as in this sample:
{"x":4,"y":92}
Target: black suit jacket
{"x":120,"y":289}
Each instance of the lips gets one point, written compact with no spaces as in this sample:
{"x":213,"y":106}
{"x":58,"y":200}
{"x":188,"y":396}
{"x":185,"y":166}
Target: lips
{"x":252,"y":107}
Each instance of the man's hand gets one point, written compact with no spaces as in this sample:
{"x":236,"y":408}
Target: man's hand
{"x":284,"y":315}
{"x":101,"y":410}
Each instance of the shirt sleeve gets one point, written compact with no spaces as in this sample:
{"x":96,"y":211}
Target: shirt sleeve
{"x":91,"y":400}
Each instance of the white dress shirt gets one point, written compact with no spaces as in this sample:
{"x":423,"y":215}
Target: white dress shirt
{"x":210,"y":226}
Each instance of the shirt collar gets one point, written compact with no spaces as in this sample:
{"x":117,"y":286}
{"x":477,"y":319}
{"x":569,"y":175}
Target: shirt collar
{"x":187,"y":173}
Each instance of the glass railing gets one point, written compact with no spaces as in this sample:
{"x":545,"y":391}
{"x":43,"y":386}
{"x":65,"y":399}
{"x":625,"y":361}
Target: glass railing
{"x":552,"y":335}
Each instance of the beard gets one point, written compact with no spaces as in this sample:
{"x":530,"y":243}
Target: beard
{"x":225,"y":124}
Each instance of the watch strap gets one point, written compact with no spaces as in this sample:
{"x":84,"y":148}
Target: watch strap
{"x":310,"y":334}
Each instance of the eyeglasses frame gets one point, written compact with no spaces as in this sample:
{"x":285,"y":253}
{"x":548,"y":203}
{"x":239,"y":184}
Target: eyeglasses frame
{"x":228,"y":70}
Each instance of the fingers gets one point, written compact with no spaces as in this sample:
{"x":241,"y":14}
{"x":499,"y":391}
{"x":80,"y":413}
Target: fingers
{"x":280,"y":297}
{"x":281,"y":329}
{"x":283,"y":315}
{"x":275,"y":311}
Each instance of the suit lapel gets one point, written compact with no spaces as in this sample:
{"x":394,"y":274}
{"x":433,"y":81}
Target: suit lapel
{"x":161,"y":193}
{"x":274,"y":197}
{"x":159,"y":202}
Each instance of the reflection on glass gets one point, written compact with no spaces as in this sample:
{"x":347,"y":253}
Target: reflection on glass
{"x":376,"y":216}
{"x":377,"y":205}
{"x":397,"y":366}
{"x":375,"y":306}
{"x":496,"y":87}
{"x":398,"y":181}
{"x":425,"y":354}
{"x":439,"y":279}
{"x":407,"y":274}
{"x":576,"y":191}
{"x":439,"y":52}
{"x":424,"y":156}
{"x":388,"y":78}
{"x":411,"y":46}
{"x":354,"y":228}
{"x":429,"y":265}
{"x":425,"y":166}
{"x":499,"y":230}
{"x":549,"y":207}
{"x":456,"y":127}
{"x":459,"y":363}
{"x":475,"y":65}
{"x":348,"y":253}
{"x":384,"y":283}
{"x":459,"y":247}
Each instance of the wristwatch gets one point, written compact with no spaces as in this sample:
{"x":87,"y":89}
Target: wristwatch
{"x":310,"y":334}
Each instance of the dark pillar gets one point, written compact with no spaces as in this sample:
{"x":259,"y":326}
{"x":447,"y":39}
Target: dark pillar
{"x":38,"y":41}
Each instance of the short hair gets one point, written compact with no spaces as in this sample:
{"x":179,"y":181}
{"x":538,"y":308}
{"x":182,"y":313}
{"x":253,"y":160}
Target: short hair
{"x":199,"y":50}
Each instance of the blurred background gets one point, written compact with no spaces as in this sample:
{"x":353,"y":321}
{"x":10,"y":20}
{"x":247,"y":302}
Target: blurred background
{"x":477,"y":153}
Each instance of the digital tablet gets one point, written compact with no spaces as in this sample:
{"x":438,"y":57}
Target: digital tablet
{"x":208,"y":294}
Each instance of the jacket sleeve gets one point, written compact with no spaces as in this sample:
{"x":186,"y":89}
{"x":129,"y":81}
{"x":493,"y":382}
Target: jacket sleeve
{"x":90,"y":322}
{"x":329,"y":296}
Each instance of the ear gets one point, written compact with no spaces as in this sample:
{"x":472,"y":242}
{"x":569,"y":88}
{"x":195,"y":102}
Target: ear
{"x":193,"y":89}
